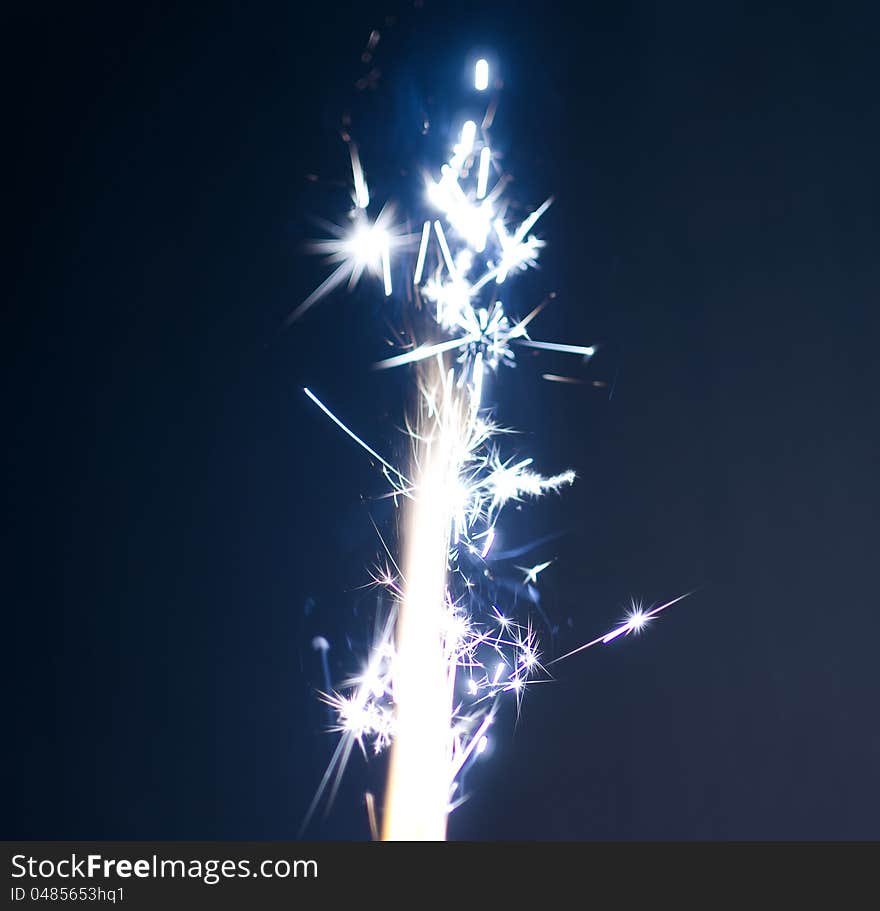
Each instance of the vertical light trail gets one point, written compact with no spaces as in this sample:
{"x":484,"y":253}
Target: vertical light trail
{"x":423,"y":248}
{"x":361,"y":192}
{"x":386,"y":266}
{"x":444,"y":247}
{"x":468,"y":135}
{"x":481,"y":75}
{"x":419,"y":781}
{"x":483,"y":173}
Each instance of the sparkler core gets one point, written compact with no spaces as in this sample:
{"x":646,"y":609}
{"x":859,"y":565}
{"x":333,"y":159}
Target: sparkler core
{"x":423,"y":686}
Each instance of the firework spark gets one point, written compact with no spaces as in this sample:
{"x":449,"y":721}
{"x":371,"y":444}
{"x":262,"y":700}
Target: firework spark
{"x":447,"y":653}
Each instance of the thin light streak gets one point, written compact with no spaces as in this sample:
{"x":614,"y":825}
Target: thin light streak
{"x":370,"y":802}
{"x":386,"y":266}
{"x":444,"y":247}
{"x":419,"y":354}
{"x":483,"y":173}
{"x":585,"y":350}
{"x":361,"y":191}
{"x":490,"y":540}
{"x":635,"y":622}
{"x":353,"y":435}
{"x":423,"y":249}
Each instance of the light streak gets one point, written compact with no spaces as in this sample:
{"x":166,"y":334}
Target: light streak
{"x":421,"y":353}
{"x":483,"y":173}
{"x":386,"y":266}
{"x":634,"y":623}
{"x":585,"y":350}
{"x":481,"y":75}
{"x":361,"y":191}
{"x":444,"y":246}
{"x":410,"y":696}
{"x":352,"y":434}
{"x":466,"y":143}
{"x":423,"y":249}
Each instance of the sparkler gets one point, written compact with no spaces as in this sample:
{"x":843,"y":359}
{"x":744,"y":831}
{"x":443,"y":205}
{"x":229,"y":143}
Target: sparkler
{"x":448,"y":653}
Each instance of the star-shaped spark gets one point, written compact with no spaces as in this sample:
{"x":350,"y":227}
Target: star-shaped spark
{"x":531,"y":573}
{"x":362,"y":246}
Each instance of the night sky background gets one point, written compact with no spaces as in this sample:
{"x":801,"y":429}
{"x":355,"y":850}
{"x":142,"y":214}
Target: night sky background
{"x":180,"y":521}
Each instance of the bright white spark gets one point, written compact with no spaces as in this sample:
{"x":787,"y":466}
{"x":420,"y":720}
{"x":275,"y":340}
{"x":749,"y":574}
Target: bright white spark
{"x":361,"y":192}
{"x":364,"y":246}
{"x":481,"y":75}
{"x":421,"y":353}
{"x":466,"y":143}
{"x":472,"y":221}
{"x":635,"y":621}
{"x":585,"y":350}
{"x":483,"y":173}
{"x":531,"y":573}
{"x":386,"y":265}
{"x":423,"y":249}
{"x":445,"y":620}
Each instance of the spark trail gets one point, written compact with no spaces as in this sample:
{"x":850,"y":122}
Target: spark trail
{"x":448,"y":653}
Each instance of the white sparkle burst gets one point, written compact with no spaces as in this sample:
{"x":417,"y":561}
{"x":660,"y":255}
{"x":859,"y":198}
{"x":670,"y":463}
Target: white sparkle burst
{"x":448,"y":653}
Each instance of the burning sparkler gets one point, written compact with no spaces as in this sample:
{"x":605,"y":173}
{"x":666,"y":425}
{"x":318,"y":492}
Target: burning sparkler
{"x":435,"y":675}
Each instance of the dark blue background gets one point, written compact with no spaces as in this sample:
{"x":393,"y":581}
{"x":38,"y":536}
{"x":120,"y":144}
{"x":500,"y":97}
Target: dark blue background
{"x":174,"y":501}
